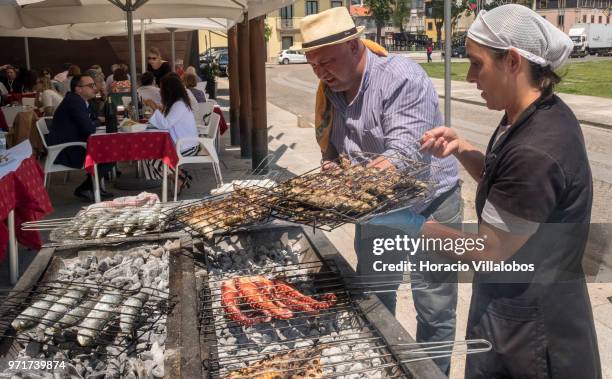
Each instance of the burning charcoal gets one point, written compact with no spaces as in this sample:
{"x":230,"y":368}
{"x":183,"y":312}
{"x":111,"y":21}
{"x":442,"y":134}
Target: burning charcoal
{"x":33,"y":349}
{"x":97,"y":375}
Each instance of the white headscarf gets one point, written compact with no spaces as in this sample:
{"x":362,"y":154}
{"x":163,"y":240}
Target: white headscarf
{"x":514,"y":26}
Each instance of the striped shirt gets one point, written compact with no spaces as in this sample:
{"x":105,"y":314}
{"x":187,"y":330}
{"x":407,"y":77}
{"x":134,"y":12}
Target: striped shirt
{"x":396,"y":104}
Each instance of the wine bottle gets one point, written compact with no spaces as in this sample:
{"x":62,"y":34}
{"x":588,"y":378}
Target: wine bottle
{"x":110,"y":114}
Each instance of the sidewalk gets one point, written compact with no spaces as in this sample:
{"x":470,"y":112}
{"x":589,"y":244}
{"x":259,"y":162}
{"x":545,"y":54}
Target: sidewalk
{"x":592,"y":110}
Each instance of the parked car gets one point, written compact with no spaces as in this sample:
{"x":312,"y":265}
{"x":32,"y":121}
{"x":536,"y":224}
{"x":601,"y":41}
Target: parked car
{"x":211,"y":53}
{"x":457,"y":52}
{"x":291,"y":56}
{"x":222,"y":60}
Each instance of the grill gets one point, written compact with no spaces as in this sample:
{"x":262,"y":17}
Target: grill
{"x":354,"y":337}
{"x":97,"y":223}
{"x":124,"y":326}
{"x":221,"y":214}
{"x":353,"y":192}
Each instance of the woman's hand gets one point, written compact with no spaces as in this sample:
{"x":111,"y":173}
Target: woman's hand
{"x":153,"y":105}
{"x":440,"y":142}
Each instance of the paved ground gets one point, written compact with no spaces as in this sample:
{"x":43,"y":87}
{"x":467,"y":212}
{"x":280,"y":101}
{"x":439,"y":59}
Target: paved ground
{"x":290,"y":92}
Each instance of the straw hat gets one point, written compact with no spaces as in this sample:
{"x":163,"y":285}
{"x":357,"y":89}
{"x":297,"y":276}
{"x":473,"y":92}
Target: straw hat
{"x":330,"y":27}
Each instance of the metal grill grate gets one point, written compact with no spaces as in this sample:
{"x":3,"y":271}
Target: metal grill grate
{"x":350,"y":193}
{"x":82,"y":317}
{"x":340,"y":334}
{"x":97,"y":223}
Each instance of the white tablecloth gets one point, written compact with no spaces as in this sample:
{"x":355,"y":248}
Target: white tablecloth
{"x":17,"y":154}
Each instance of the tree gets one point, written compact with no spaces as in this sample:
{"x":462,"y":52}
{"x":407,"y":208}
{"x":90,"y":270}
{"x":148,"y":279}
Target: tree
{"x":381,"y":12}
{"x":436,"y":11}
{"x":401,"y":10}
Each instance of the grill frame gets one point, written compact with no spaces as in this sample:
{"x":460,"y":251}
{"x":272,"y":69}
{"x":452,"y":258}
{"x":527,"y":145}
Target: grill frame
{"x":369,"y":307}
{"x":182,"y":338}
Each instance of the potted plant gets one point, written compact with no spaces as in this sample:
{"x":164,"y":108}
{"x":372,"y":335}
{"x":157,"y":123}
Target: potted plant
{"x":210,"y":71}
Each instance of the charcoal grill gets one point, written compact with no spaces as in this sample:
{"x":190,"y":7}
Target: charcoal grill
{"x":178,"y":307}
{"x":117,"y":223}
{"x":327,"y":199}
{"x":362,"y":324}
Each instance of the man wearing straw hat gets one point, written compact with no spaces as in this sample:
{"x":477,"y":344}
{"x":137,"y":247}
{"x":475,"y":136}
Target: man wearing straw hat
{"x":369,"y":101}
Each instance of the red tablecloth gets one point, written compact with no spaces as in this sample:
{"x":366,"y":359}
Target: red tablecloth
{"x":116,"y":147}
{"x":23,"y":190}
{"x":16,"y":97}
{"x":222,"y":123}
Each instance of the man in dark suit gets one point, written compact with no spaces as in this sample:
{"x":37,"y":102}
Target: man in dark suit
{"x":75,"y":120}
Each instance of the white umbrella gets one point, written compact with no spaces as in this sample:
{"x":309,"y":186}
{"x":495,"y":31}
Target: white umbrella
{"x":87,"y":31}
{"x":18,"y":14}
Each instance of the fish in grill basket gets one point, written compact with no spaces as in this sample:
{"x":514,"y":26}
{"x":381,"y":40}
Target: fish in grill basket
{"x":298,"y":364}
{"x":354,"y":189}
{"x":221,"y":215}
{"x":269,"y":298}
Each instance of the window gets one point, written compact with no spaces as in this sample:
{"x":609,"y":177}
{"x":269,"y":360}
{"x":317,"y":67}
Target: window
{"x":608,"y":20}
{"x":561,"y":20}
{"x":430,"y":26}
{"x":584,"y":19}
{"x":544,"y":17}
{"x":592,"y":19}
{"x":600,"y":19}
{"x":286,"y":12}
{"x":287,"y":42}
{"x":312,"y":7}
{"x":336,"y":3}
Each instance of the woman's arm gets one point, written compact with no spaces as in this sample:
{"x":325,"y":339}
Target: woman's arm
{"x":498,"y":245}
{"x":442,"y":142}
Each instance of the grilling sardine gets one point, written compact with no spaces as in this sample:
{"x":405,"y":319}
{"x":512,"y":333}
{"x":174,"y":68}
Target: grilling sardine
{"x":64,"y":304}
{"x":76,"y":314}
{"x":32,"y":315}
{"x":97,"y":319}
{"x":130,"y":308}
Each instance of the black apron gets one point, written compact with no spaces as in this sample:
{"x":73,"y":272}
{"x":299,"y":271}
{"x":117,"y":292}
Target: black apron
{"x":539,"y":328}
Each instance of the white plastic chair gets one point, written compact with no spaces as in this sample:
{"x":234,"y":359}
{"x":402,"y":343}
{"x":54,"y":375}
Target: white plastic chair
{"x":201,"y":110}
{"x":54,"y":150}
{"x":212,"y":157}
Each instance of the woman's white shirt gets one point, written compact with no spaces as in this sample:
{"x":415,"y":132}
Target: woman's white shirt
{"x":51,"y":98}
{"x":179,"y":122}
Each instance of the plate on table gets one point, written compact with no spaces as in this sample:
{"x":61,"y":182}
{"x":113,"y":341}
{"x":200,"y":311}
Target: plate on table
{"x":5,"y":159}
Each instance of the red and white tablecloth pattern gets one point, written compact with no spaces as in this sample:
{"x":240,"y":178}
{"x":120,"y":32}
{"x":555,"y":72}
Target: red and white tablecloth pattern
{"x":222,"y":123}
{"x":116,"y":147}
{"x":23,"y":190}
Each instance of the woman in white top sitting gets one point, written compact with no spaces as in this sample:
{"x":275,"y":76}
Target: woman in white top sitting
{"x":49,"y":97}
{"x":173,"y":114}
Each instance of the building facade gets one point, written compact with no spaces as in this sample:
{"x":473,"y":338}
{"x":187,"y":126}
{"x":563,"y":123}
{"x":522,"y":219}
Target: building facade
{"x":565,"y":13}
{"x":285,"y":23}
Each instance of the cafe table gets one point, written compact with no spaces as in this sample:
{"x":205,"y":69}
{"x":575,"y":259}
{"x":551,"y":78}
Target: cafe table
{"x":132,"y":146}
{"x":23,"y":198}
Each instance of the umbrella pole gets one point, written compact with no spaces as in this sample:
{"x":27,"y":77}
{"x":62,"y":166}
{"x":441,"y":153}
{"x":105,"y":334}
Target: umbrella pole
{"x":132,"y":49}
{"x":143,"y":50}
{"x":173,"y":48}
{"x":27,"y":52}
{"x":447,"y":62}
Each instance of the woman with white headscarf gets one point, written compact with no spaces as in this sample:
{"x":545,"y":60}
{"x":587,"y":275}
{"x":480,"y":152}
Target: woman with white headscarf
{"x":534,"y":197}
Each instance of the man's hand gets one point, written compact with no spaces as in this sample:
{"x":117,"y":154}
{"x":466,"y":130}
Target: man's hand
{"x":440,"y":142}
{"x":329,"y":165}
{"x":381,"y":163}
